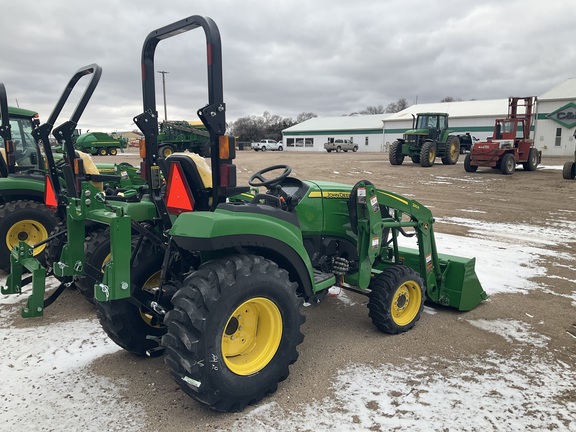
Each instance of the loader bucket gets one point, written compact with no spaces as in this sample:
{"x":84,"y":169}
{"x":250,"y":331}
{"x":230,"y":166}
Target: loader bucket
{"x":459,"y":287}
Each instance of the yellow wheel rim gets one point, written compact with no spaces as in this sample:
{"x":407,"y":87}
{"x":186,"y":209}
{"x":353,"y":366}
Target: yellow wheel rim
{"x":406,"y":303}
{"x":432,"y":155}
{"x":28,"y":230}
{"x":252,"y":336}
{"x":454,"y":151}
{"x":167,"y":152}
{"x":151,"y":285}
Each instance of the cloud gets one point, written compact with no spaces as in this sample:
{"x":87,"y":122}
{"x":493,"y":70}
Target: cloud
{"x":286,"y":57}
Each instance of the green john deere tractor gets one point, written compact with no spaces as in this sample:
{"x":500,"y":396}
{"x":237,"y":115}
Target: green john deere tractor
{"x":216,"y":284}
{"x":428,"y":139}
{"x":28,"y":157}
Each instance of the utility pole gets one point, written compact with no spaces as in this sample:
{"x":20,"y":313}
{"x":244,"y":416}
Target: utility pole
{"x":164,"y":91}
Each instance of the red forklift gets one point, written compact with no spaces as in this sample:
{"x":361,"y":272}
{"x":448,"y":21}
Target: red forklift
{"x":510,"y":143}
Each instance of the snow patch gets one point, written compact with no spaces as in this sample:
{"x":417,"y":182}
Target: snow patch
{"x":512,"y":330}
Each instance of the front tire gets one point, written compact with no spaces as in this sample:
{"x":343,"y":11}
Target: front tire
{"x":233,"y":331}
{"x":25,"y":220}
{"x":113,"y":152}
{"x":103,"y":152}
{"x":508,"y":164}
{"x":468,"y":167}
{"x":355,"y":149}
{"x":127,"y":324}
{"x":452,"y":150}
{"x":280,"y":148}
{"x":396,"y":299}
{"x":428,"y":154}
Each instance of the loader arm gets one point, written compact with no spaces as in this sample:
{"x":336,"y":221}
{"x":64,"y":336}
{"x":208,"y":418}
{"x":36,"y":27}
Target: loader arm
{"x":450,"y":280}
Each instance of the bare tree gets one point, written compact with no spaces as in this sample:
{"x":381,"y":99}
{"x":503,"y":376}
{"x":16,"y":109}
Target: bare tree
{"x":303,"y":116}
{"x":369,"y":110}
{"x":255,"y":128}
{"x":451,"y":99}
{"x":394,"y":107}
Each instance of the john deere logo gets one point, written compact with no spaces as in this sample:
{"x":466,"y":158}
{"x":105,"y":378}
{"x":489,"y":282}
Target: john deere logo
{"x":566,"y":115}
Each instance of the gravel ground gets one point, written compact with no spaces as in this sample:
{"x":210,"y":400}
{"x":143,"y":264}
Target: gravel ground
{"x":506,"y":365}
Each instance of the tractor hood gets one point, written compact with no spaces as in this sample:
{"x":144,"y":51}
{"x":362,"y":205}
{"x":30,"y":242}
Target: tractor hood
{"x":424,"y":131}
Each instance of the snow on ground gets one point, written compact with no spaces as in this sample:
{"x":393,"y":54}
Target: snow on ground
{"x":45,"y":378}
{"x":488,"y":393}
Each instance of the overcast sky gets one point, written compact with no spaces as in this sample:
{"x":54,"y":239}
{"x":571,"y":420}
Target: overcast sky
{"x":329,"y":57}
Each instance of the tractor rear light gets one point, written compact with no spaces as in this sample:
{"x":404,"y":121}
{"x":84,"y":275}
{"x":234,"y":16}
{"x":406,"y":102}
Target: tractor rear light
{"x":179,"y":199}
{"x":50,"y":194}
{"x":9,"y":145}
{"x":223,"y":147}
{"x":77,"y":166}
{"x":142,"y":146}
{"x":226,"y":147}
{"x":225,"y":175}
{"x":228,"y":175}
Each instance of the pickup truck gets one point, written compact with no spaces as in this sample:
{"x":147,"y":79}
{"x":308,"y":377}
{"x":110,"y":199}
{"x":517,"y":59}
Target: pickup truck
{"x":340,"y":144}
{"x":267,"y":144}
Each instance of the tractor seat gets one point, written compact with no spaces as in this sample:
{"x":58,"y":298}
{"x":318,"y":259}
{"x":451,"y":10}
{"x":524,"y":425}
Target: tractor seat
{"x":90,"y":167}
{"x":198,"y":175}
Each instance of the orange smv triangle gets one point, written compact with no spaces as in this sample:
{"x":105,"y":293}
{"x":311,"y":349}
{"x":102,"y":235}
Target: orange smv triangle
{"x":178,"y":196}
{"x":49,"y":194}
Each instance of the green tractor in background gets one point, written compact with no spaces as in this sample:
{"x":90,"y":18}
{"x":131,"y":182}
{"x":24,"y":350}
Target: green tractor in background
{"x":216,"y":284}
{"x":428,"y":139}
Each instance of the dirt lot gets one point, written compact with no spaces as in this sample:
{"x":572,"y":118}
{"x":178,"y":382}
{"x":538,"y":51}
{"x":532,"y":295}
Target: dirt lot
{"x":527,"y":328}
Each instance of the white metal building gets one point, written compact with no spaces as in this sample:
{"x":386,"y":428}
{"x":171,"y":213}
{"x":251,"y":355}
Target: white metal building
{"x":365,"y":130}
{"x":556,"y":120}
{"x":554,"y":125}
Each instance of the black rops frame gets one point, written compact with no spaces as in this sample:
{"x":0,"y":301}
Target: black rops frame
{"x":64,"y":132}
{"x":212,"y":115}
{"x":5,"y":132}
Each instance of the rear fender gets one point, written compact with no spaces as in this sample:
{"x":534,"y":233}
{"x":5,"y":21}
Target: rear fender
{"x":274,"y":238}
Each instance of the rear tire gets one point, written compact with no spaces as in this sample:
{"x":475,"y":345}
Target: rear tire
{"x":103,"y":152}
{"x":508,"y":164}
{"x":415,"y":159}
{"x":338,"y":149}
{"x":113,"y":152}
{"x":127,"y":324}
{"x":26,"y":220}
{"x":96,"y":255}
{"x":468,"y":164}
{"x":396,"y":299}
{"x":428,"y":154}
{"x":395,"y":153}
{"x":452,"y":150}
{"x":355,"y":149}
{"x":233,"y":331}
{"x":53,"y":249}
{"x":569,"y":170}
{"x":263,"y":148}
{"x":532,"y":163}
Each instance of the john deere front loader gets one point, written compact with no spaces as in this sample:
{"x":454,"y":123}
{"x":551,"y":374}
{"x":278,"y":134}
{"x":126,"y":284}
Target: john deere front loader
{"x":217,"y":284}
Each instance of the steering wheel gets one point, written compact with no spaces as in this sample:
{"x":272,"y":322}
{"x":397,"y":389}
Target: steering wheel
{"x":257,"y":179}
